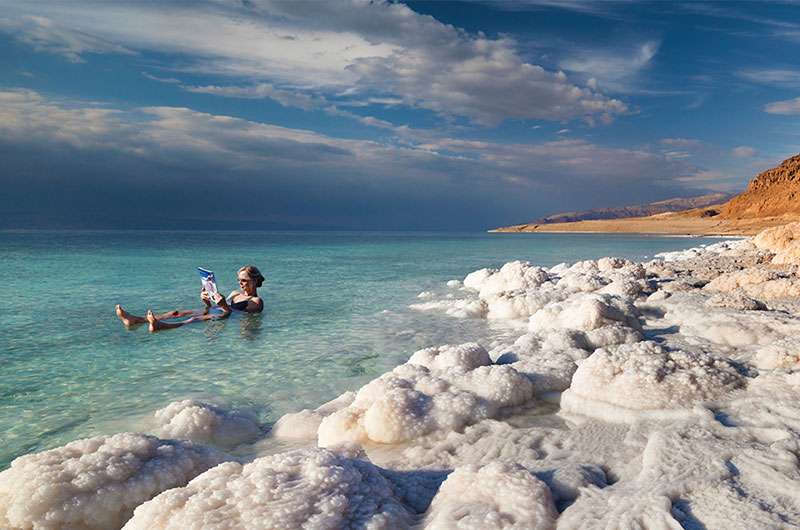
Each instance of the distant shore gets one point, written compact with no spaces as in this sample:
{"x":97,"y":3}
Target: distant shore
{"x":690,"y":222}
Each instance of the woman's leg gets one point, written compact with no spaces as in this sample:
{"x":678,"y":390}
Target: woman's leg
{"x":127,"y":318}
{"x":156,"y":323}
{"x":130,"y":320}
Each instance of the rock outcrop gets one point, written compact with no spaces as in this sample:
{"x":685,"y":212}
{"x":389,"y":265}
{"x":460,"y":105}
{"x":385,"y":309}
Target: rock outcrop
{"x":775,"y":192}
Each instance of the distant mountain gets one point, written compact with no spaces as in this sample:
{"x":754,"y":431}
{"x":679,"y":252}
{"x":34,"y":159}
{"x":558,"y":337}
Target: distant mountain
{"x":620,"y":212}
{"x":774,"y":192}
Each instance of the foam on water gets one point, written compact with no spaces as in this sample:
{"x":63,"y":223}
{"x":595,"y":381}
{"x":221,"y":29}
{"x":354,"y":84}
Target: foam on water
{"x":603,"y":393}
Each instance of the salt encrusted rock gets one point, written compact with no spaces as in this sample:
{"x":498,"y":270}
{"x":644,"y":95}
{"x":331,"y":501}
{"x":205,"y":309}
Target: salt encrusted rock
{"x":778,"y":238}
{"x":498,"y":495}
{"x":645,"y":380}
{"x":304,"y":425}
{"x":469,"y":355}
{"x":736,"y":300}
{"x":586,"y":312}
{"x":307,"y":488}
{"x":512,"y":276}
{"x":412,"y":400}
{"x":734,"y":280}
{"x":94,"y":484}
{"x":780,"y":288}
{"x":784,"y":353}
{"x":206,"y":423}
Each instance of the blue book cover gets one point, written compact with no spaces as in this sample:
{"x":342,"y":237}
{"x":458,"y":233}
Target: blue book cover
{"x":208,"y":280}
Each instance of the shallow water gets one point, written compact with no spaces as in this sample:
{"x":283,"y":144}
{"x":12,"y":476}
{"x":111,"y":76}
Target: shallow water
{"x":337,"y":315}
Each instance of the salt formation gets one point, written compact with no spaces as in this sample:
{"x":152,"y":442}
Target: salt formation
{"x":518,"y":500}
{"x":206,"y":423}
{"x":645,"y":380}
{"x":309,"y":488}
{"x":96,"y":483}
{"x":436,"y":391}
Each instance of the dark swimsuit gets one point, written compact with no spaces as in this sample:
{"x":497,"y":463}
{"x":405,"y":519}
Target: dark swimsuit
{"x":239,"y":306}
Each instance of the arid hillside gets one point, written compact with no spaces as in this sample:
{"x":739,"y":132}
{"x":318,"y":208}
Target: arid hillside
{"x":774,"y":192}
{"x":621,"y":212}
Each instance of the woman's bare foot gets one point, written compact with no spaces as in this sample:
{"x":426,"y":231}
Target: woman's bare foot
{"x":154,"y":322}
{"x":127,"y":318}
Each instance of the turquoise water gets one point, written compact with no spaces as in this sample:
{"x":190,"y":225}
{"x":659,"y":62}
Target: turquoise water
{"x":337,"y":315}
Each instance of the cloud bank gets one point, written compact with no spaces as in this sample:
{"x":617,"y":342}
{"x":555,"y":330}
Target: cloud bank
{"x":152,"y":160}
{"x":300,"y":52}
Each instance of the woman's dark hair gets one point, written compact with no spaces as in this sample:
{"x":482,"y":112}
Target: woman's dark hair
{"x":253,"y":273}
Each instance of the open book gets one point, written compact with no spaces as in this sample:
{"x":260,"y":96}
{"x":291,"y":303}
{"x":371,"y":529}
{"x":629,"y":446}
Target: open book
{"x":209,"y":282}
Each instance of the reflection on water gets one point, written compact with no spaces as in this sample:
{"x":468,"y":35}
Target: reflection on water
{"x":250,"y":326}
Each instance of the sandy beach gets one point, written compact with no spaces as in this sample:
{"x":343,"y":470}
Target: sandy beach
{"x":690,"y":222}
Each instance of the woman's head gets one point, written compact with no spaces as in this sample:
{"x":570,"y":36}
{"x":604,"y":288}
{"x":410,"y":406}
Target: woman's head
{"x":251,"y":272}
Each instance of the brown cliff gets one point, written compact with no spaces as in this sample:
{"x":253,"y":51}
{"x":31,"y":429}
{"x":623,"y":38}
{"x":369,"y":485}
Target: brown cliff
{"x":775,"y":192}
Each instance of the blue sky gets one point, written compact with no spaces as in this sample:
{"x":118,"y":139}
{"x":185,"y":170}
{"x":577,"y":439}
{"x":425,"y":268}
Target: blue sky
{"x":407,"y":116}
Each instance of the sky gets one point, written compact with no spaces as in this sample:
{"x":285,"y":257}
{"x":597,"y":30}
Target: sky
{"x":254,"y":114}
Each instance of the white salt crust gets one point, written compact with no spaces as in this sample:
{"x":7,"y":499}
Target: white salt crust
{"x":206,"y":423}
{"x":518,"y":500}
{"x":437,"y":390}
{"x":96,"y":483}
{"x":313,"y":489}
{"x":620,"y":395}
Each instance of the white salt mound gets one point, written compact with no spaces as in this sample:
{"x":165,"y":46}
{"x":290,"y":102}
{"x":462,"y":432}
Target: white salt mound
{"x":636,"y":381}
{"x":413,"y":400}
{"x":206,"y":423}
{"x":308,"y":488}
{"x":94,"y":484}
{"x":498,"y":495}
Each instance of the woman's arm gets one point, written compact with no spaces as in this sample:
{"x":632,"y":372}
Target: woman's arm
{"x":255,"y":305}
{"x":222,"y":303}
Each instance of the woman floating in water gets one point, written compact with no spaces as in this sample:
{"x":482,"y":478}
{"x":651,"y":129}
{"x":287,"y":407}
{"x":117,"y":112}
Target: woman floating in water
{"x":247,"y":300}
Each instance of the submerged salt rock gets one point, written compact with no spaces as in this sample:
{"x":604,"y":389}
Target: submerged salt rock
{"x":97,"y":482}
{"x":206,"y":423}
{"x":303,"y":425}
{"x":631,"y":381}
{"x":498,"y":495}
{"x":413,"y":400}
{"x":458,"y":308}
{"x":784,"y":353}
{"x":307,"y":488}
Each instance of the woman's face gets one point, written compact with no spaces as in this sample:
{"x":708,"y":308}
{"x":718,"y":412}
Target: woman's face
{"x":246,"y":283}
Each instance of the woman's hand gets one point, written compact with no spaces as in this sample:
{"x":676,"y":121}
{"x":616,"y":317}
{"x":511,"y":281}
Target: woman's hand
{"x":205,"y":297}
{"x":222,"y":303}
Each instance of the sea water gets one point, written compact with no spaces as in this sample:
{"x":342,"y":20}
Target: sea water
{"x":337,"y":314}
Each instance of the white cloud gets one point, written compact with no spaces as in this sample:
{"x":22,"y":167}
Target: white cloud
{"x":683,"y":143}
{"x":170,"y":80}
{"x":45,"y":35}
{"x":370,"y":49}
{"x":785,"y":78}
{"x":789,"y":107}
{"x":745,"y":151}
{"x":287,"y":98}
{"x":615,"y":70}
